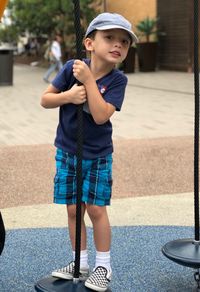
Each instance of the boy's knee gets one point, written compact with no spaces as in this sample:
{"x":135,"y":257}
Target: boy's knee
{"x":94,"y":211}
{"x":71,"y":210}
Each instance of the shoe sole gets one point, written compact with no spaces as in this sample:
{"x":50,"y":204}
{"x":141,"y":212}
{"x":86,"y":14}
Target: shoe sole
{"x":67,"y":277}
{"x":62,"y":276}
{"x":95,"y":288}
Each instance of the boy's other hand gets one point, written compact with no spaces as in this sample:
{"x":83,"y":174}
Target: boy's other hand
{"x":78,"y":94}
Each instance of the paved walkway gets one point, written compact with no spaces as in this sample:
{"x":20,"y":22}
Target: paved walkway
{"x":154,"y":130}
{"x":157,"y":104}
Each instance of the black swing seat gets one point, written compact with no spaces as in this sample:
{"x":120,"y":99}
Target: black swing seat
{"x":185,"y":252}
{"x":52,"y":284}
{"x":2,"y":234}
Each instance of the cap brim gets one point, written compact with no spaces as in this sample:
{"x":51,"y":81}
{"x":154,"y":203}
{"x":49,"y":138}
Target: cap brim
{"x":106,"y":27}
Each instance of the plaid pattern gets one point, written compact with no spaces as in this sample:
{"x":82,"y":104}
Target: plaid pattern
{"x":97,"y":179}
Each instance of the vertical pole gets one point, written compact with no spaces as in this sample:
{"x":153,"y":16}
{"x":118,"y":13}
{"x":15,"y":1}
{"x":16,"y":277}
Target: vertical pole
{"x":79,"y":147}
{"x":196,"y":119}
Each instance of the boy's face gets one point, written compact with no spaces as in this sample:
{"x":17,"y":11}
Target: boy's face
{"x":109,"y":45}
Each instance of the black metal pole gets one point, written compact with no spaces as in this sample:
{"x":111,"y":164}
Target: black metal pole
{"x":196,"y":119}
{"x":77,"y":26}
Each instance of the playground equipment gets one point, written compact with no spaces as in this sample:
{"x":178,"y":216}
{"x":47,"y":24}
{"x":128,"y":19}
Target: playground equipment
{"x":186,"y":252}
{"x":2,"y":234}
{"x":2,"y":228}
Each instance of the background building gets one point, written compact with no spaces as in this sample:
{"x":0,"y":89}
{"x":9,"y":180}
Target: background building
{"x":176,"y":18}
{"x":133,"y":10}
{"x":176,"y":48}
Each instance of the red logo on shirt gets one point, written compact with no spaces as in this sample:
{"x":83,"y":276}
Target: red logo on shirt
{"x":103,"y":88}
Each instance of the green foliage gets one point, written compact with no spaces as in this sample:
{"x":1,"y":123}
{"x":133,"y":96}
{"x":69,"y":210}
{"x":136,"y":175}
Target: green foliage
{"x":9,"y":34}
{"x":147,"y":27}
{"x":44,"y":17}
{"x":39,"y":16}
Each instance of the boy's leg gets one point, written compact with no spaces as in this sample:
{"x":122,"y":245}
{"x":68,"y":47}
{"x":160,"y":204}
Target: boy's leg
{"x":101,"y":276}
{"x":65,"y":192}
{"x":102,"y":234}
{"x":68,"y":271}
{"x":71,"y":211}
{"x":101,"y":227}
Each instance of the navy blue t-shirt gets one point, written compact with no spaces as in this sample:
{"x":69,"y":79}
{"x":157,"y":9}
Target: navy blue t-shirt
{"x":97,"y":139}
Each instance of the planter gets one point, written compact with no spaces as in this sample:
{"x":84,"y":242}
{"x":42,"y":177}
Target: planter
{"x":129,"y":62}
{"x":147,"y":56}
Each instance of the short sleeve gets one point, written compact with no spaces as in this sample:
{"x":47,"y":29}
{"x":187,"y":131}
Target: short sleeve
{"x":116,"y":90}
{"x":63,"y":79}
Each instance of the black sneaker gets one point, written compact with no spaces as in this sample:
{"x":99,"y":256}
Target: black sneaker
{"x":99,"y":279}
{"x":67,"y":272}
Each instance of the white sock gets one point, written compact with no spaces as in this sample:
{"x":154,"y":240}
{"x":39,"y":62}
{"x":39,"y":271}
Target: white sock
{"x":83,"y":259}
{"x":103,"y":259}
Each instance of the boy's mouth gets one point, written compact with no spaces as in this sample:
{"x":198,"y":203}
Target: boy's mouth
{"x":115,"y":53}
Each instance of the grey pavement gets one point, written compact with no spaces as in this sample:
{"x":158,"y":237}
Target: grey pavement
{"x":157,"y":105}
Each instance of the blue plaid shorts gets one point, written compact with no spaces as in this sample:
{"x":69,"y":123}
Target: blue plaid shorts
{"x":97,"y":179}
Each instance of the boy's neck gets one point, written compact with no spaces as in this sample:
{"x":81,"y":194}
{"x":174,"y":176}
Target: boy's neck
{"x":100,"y":69}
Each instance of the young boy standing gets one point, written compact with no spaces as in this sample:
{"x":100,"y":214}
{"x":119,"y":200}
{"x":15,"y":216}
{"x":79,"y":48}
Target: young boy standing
{"x":107,"y":39}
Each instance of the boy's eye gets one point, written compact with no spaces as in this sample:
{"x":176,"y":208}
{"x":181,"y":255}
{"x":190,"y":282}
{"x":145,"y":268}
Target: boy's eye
{"x":108,"y":37}
{"x":125,"y":41}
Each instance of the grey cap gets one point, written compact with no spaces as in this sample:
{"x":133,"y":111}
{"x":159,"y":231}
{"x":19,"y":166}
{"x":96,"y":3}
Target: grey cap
{"x":105,"y":21}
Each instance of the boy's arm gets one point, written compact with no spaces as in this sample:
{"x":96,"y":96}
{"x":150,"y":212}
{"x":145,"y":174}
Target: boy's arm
{"x":100,"y":109}
{"x":53,"y":98}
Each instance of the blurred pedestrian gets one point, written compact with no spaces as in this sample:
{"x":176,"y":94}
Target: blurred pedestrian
{"x":55,"y":57}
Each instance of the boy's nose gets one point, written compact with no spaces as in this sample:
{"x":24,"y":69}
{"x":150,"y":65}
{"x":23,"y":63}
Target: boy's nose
{"x":118,"y":44}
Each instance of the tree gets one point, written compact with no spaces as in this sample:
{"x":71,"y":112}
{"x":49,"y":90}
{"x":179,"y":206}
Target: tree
{"x":42,"y":17}
{"x":9,"y":34}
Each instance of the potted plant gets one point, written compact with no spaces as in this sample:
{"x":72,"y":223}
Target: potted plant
{"x":128,"y":65}
{"x":146,"y":48}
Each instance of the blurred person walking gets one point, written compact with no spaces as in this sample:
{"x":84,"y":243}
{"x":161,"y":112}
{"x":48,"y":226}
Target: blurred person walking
{"x":55,"y":57}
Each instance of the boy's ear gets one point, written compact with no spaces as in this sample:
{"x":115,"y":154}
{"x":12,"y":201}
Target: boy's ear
{"x":88,"y":43}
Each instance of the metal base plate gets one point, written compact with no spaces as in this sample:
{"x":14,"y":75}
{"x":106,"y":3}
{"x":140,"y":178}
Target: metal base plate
{"x":185,"y":252}
{"x":52,"y":284}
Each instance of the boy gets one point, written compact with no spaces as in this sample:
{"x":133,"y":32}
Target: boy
{"x":107,"y":39}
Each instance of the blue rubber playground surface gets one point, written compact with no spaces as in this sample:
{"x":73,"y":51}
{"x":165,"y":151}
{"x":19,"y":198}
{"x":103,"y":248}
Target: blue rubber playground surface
{"x":137,"y":261}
